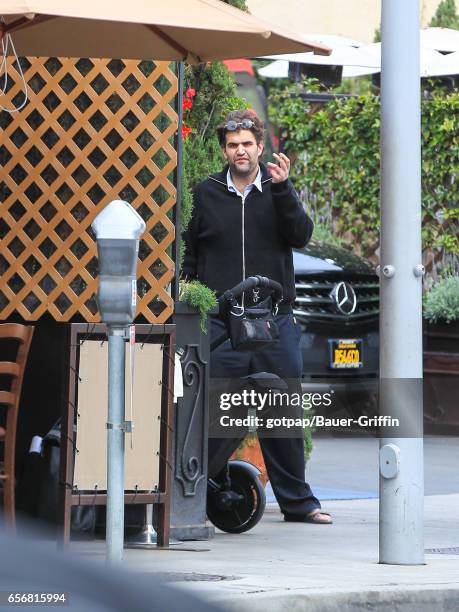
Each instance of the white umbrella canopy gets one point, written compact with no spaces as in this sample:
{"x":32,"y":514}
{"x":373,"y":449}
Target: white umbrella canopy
{"x":275,"y":70}
{"x":448,"y":65}
{"x":430,"y":60}
{"x":279,"y":70}
{"x":440,"y":39}
{"x":345,"y":52}
{"x":333,"y":40}
{"x":189,"y":30}
{"x":357,"y":71}
{"x":340,"y":56}
{"x":358,"y":59}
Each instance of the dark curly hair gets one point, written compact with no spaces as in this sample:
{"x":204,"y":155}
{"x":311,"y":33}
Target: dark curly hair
{"x":258,"y":128}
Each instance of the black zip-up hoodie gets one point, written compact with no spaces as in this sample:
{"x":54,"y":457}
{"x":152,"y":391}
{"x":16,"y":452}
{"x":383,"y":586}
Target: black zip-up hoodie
{"x":229,"y":239}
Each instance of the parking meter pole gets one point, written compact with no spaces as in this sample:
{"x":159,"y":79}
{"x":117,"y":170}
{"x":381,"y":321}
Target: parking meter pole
{"x":118,"y":228}
{"x":401,"y":450}
{"x":115,"y":444}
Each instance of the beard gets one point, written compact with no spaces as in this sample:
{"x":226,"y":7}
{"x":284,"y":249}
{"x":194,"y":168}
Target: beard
{"x":243,"y":169}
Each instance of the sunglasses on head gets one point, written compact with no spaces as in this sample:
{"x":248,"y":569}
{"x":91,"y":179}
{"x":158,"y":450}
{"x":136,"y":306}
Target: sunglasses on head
{"x":245,"y":124}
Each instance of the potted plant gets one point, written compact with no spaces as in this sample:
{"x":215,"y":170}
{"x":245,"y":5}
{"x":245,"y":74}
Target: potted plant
{"x":189,"y":482}
{"x":441,"y":316}
{"x":198,"y":297}
{"x":441,"y":355}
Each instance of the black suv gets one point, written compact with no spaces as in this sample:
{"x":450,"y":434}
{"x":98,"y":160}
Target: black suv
{"x":337,"y":305}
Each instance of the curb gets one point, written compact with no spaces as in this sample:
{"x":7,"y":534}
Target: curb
{"x":441,"y":599}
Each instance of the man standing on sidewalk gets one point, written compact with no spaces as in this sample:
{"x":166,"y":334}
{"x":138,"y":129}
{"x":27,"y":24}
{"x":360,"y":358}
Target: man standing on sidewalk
{"x":246,"y":219}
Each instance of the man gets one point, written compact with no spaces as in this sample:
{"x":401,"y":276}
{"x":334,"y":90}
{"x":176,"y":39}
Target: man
{"x":245,"y":221}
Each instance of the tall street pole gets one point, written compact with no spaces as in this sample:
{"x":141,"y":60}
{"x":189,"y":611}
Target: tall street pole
{"x":401,"y":272}
{"x":115,"y":444}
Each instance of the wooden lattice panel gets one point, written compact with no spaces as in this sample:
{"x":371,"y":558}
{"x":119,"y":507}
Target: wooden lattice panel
{"x":93,"y":131}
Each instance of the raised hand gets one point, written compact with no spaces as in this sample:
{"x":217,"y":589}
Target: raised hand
{"x":279,"y":171}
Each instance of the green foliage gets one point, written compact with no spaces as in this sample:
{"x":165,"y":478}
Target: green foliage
{"x":323,"y":233}
{"x":357,"y":86}
{"x":440,"y":187}
{"x":201,"y":297}
{"x":215,"y":96}
{"x":336,"y":153}
{"x":308,"y":444}
{"x":240,"y":4}
{"x":441,"y":302}
{"x":445,"y":16}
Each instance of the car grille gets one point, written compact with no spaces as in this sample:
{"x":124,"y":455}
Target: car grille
{"x":314,"y":301}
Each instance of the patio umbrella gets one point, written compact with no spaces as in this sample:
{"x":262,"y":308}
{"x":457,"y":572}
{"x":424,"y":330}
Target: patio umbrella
{"x":187,"y":30}
{"x":440,"y":39}
{"x":340,"y":56}
{"x":447,"y":65}
{"x":333,"y":40}
{"x":430,"y":60}
{"x":362,"y":61}
{"x":279,"y":70}
{"x":345,"y":52}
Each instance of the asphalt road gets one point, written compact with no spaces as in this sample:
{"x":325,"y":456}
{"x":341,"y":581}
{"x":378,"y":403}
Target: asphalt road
{"x":347,"y":467}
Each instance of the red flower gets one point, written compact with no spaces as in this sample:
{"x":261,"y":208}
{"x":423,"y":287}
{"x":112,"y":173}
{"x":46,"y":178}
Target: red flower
{"x":187,"y":104}
{"x":190,"y":92}
{"x":186,"y":130}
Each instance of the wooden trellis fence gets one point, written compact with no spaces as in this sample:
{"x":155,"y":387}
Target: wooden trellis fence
{"x":93,"y":131}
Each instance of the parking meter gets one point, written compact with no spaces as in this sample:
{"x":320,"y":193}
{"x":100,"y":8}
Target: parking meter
{"x":118,"y":229}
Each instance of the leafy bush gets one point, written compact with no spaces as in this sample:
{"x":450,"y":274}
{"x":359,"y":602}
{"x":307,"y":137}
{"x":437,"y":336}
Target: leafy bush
{"x":201,"y":297}
{"x":441,"y":302}
{"x":323,"y":233}
{"x":210,"y":93}
{"x":308,"y":443}
{"x":213,"y":94}
{"x":336,"y":169}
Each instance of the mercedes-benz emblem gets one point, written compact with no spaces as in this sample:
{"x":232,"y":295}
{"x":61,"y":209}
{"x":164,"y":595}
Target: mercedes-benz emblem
{"x":344,"y":296}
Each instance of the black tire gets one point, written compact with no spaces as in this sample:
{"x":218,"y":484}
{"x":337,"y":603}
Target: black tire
{"x":244,"y":514}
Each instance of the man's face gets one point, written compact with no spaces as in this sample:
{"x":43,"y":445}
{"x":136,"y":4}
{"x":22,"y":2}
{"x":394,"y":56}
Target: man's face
{"x":242,"y":152}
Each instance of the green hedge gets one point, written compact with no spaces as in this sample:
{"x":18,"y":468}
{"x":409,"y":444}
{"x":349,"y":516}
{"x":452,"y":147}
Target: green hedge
{"x":336,"y":169}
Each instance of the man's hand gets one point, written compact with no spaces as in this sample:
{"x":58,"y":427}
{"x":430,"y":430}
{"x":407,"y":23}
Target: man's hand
{"x":280,"y":170}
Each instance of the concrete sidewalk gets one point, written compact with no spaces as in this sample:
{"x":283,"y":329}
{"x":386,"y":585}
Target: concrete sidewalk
{"x":285,"y":566}
{"x":288,"y":566}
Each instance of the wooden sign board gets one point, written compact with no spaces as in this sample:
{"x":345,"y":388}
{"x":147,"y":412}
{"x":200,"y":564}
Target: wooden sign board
{"x":142,"y":445}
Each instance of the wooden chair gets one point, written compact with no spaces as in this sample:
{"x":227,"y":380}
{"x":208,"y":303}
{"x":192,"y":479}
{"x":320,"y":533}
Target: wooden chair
{"x":13,"y":372}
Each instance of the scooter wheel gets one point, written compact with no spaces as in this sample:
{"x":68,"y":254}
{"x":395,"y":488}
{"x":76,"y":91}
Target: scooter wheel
{"x":241,"y":507}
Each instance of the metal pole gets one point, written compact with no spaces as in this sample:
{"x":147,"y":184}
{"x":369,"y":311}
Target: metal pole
{"x":401,"y":450}
{"x":115,"y":444}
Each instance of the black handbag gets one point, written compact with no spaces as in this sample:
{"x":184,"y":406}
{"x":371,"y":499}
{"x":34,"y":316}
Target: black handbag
{"x":252,"y":328}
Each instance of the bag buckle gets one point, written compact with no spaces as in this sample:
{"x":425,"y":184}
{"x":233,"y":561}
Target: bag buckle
{"x":241,"y":310}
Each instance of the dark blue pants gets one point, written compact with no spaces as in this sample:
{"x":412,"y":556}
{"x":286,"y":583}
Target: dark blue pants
{"x":284,"y":457}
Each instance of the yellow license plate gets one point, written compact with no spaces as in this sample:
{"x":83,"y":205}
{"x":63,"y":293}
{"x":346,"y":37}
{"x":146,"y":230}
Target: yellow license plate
{"x":346,"y":354}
